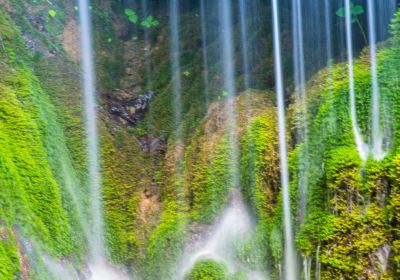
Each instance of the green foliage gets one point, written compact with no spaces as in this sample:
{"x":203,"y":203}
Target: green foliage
{"x":52,"y":13}
{"x":165,"y":244}
{"x":150,"y":22}
{"x":131,"y":14}
{"x":208,"y":270}
{"x":355,"y":11}
{"x":9,"y":259}
{"x":211,"y":183}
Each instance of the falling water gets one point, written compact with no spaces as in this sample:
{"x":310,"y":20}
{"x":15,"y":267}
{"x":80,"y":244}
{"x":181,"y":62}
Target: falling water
{"x":290,"y":265}
{"x":361,"y":146}
{"x":301,"y":99}
{"x":244,"y":41}
{"x":99,"y":269}
{"x":234,"y":223}
{"x":377,"y":136}
{"x":89,"y":91}
{"x":204,"y":50}
{"x":226,"y":26}
{"x":176,"y":66}
{"x":317,"y":265}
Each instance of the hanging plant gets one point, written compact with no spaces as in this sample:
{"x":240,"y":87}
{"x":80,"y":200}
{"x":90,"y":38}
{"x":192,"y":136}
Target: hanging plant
{"x":355,"y":12}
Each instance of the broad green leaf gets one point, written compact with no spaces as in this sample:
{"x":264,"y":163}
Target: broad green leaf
{"x":341,"y":12}
{"x":357,"y":10}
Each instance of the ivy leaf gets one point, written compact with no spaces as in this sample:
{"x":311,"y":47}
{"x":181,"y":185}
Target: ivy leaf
{"x":225,"y":93}
{"x":52,"y":13}
{"x":186,"y":73}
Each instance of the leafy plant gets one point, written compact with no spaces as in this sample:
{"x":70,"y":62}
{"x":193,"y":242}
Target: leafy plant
{"x":52,"y":13}
{"x":186,"y":73}
{"x":150,"y":22}
{"x":355,"y":12}
{"x":132,"y":16}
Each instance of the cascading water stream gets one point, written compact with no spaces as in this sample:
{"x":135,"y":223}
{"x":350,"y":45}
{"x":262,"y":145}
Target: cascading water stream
{"x":301,"y":99}
{"x":244,"y":40}
{"x":377,"y":135}
{"x":290,"y":263}
{"x":362,"y":147}
{"x":204,"y":51}
{"x":234,"y":223}
{"x":89,"y":91}
{"x":98,"y":266}
{"x":176,"y":66}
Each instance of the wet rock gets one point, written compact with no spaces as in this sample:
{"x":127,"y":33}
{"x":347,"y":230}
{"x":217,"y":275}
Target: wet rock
{"x":38,"y":22}
{"x":151,"y":144}
{"x":129,"y":111}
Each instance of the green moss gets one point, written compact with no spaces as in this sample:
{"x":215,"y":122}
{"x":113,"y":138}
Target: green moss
{"x":165,"y":244}
{"x":208,"y":270}
{"x":9,"y":259}
{"x":211,"y":183}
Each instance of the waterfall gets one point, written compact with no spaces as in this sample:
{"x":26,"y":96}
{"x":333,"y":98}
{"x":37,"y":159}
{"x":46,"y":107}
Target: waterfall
{"x":244,"y":41}
{"x":98,"y":266}
{"x":176,"y":66}
{"x":234,"y":223}
{"x":301,"y":99}
{"x":290,"y":265}
{"x":204,"y":50}
{"x":362,"y":148}
{"x":317,"y":265}
{"x":96,"y":234}
{"x":227,"y":53}
{"x":377,"y":136}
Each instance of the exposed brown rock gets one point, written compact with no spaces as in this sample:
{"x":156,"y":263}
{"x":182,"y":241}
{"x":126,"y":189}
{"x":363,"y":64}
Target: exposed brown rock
{"x":70,"y":40}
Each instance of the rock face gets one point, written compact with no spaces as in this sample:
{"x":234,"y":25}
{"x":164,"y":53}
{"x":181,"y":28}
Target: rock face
{"x":151,"y":144}
{"x":129,"y":111}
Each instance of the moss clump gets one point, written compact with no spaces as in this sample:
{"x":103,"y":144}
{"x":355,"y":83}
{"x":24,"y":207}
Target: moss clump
{"x":208,"y":270}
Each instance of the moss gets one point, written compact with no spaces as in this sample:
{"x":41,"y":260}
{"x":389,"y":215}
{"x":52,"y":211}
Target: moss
{"x":348,"y":213}
{"x":208,"y":270}
{"x":211,"y":184}
{"x":9,"y":259}
{"x":165,"y":244}
{"x":40,"y":186}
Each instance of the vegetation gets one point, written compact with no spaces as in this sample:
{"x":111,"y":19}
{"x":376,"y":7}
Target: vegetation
{"x":156,"y":199}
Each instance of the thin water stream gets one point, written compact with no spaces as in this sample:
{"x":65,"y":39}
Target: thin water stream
{"x":290,"y":263}
{"x":362,"y":147}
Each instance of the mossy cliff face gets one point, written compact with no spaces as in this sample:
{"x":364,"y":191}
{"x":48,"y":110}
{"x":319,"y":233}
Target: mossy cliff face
{"x":159,"y":192}
{"x":38,"y":177}
{"x":350,"y":223}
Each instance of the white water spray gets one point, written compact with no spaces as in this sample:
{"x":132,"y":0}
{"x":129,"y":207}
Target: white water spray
{"x":377,"y":135}
{"x":234,"y":223}
{"x":362,"y":147}
{"x":290,"y":265}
